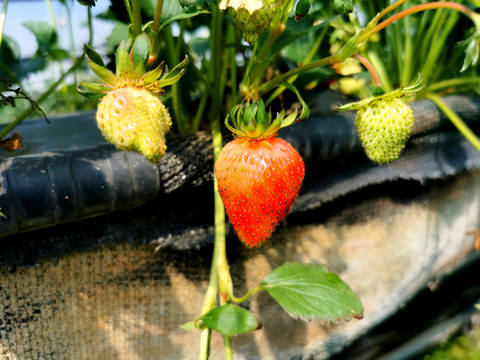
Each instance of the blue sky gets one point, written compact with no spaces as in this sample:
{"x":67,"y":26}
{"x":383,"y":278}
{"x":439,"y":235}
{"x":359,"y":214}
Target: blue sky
{"x":19,"y":12}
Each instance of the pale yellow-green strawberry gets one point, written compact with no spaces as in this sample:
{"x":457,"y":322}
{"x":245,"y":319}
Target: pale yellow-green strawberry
{"x":131,"y":114}
{"x":134,"y":119}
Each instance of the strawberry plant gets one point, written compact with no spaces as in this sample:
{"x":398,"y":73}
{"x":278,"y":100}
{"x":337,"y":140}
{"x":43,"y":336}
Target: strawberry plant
{"x":257,"y":59}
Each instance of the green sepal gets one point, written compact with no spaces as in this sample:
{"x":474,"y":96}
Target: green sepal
{"x":92,"y":95}
{"x":93,"y":55}
{"x":379,"y":93}
{"x":233,"y":116}
{"x":290,"y":119}
{"x":305,"y":109}
{"x":99,"y":88}
{"x":154,"y":74}
{"x":175,"y":74}
{"x":262,"y":117}
{"x":124,"y":63}
{"x":102,"y":72}
{"x":140,"y":53}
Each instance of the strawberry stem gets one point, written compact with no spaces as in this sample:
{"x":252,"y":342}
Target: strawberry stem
{"x":3,"y":16}
{"x":157,"y":17}
{"x":456,"y":120}
{"x":246,"y":296}
{"x":370,"y":69}
{"x":452,"y":83}
{"x":266,"y":87}
{"x":219,"y":271}
{"x":137,"y":17}
{"x":414,"y":9}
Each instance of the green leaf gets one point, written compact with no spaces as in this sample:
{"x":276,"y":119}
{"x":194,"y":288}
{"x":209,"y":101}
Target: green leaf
{"x":173,"y":11}
{"x":140,"y":53}
{"x":87,"y":2}
{"x":189,"y":325}
{"x":58,"y":54}
{"x":312,"y":292}
{"x":231,"y":320}
{"x":472,"y":50}
{"x":45,"y":34}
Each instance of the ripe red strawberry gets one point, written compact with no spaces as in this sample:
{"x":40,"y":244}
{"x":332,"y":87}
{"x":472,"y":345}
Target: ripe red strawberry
{"x":258,"y":179}
{"x":131,"y":115}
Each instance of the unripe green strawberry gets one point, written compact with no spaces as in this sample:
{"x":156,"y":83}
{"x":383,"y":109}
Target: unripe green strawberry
{"x":384,"y":126}
{"x":384,"y":122}
{"x":134,"y":119}
{"x":252,"y":17}
{"x":258,"y":181}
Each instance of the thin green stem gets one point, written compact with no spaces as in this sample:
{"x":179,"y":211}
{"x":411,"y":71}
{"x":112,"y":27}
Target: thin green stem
{"x":137,"y":17}
{"x":391,"y":7}
{"x":219,"y":261}
{"x":231,"y":54}
{"x":307,"y":60}
{"x":227,"y":343}
{"x":452,"y":83}
{"x":3,"y":17}
{"x":436,"y":48}
{"x":379,"y":66}
{"x":407,"y":59}
{"x":456,"y":120}
{"x":370,"y":68}
{"x":246,"y":296}
{"x":51,"y":13}
{"x":90,"y":26}
{"x":158,"y":16}
{"x":266,"y":87}
{"x":414,"y":9}
{"x":70,"y":30}
{"x":129,"y":10}
{"x":178,"y":109}
{"x":6,"y":130}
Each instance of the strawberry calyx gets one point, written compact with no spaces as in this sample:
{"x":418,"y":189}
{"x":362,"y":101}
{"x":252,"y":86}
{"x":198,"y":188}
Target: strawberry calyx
{"x":379,"y":94}
{"x":254,"y":122}
{"x":132,"y":59}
